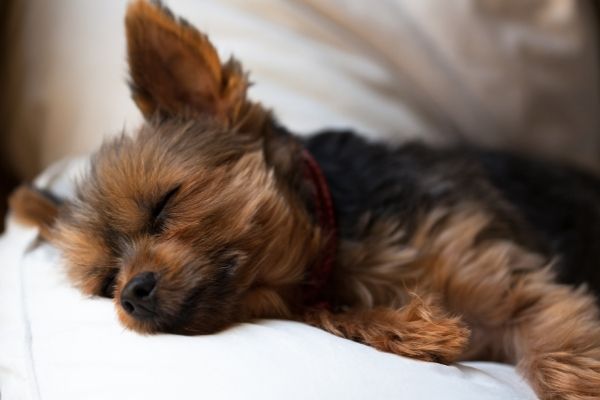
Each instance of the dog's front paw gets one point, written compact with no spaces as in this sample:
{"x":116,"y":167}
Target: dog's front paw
{"x":419,"y":330}
{"x":417,"y":333}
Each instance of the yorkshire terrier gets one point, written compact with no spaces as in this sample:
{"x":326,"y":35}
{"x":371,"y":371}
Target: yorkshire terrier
{"x":213,"y":214}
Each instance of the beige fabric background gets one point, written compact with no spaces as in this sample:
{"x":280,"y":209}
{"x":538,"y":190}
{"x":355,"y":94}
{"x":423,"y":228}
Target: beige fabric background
{"x":522,"y":73}
{"x":513,"y":73}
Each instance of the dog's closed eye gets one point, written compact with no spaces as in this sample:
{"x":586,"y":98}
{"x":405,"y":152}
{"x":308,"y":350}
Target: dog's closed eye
{"x":108,"y":285}
{"x":158,"y":213}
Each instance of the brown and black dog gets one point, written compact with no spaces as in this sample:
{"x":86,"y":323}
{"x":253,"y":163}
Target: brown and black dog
{"x":214,"y":214}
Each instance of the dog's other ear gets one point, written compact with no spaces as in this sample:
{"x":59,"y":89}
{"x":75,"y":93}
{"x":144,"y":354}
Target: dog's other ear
{"x":35,"y":207}
{"x":175,"y":71}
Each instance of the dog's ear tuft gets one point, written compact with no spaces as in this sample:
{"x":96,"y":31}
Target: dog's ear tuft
{"x":35,"y":207}
{"x":175,"y":70}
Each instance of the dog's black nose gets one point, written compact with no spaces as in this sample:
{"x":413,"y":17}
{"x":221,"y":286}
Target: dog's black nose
{"x":138,"y":297}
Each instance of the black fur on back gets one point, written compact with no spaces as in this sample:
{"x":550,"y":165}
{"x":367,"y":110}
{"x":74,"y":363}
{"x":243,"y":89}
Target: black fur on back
{"x":550,"y":208}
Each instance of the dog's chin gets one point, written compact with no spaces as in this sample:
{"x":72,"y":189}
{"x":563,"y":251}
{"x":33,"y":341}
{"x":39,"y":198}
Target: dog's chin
{"x":146,"y":326}
{"x":189,"y":325}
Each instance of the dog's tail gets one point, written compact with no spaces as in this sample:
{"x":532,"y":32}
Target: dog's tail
{"x":35,"y":207}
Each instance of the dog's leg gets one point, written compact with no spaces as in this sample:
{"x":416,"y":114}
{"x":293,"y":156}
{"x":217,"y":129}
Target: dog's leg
{"x":420,"y":330}
{"x":551,"y":332}
{"x":555,"y":336}
{"x":518,"y":313}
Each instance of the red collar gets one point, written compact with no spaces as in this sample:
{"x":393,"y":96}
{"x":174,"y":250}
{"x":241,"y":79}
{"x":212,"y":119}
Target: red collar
{"x":318,"y":276}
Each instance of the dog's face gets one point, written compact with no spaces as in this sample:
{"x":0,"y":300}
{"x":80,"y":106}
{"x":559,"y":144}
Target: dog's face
{"x":166,"y":226}
{"x":185,"y":224}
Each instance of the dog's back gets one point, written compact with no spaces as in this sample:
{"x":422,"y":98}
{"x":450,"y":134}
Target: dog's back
{"x":561,"y":203}
{"x":550,"y":208}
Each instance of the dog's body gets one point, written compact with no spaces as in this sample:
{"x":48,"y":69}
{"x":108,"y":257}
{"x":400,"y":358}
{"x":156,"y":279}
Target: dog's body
{"x":207,"y":218}
{"x":546,"y":208}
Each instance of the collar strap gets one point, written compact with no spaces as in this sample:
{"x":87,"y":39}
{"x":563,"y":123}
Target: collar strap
{"x":318,"y":276}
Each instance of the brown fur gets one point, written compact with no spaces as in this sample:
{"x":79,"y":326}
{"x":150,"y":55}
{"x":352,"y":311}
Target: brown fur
{"x":232,"y":239}
{"x":31,"y":207}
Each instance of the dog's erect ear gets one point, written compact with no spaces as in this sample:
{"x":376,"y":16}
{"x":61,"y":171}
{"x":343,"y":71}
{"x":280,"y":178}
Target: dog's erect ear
{"x":175,"y":70}
{"x":35,"y":207}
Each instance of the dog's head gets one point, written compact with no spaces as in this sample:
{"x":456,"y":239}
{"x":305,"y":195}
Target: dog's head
{"x":193,"y":222}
